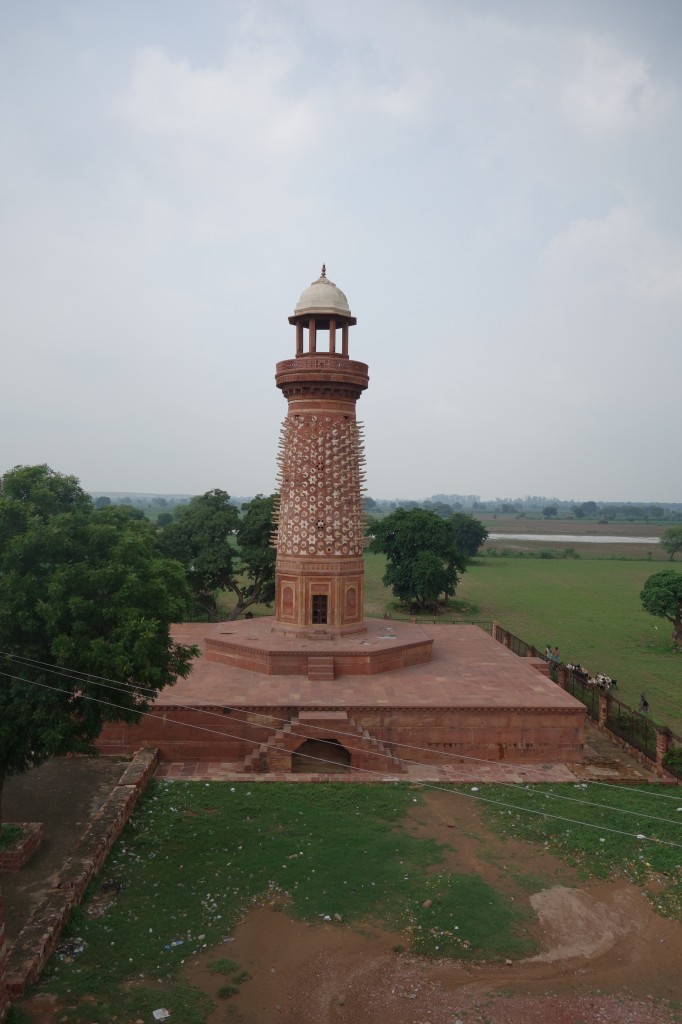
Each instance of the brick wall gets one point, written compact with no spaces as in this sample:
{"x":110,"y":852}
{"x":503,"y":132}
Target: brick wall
{"x":3,"y":959}
{"x":15,"y":857}
{"x":36,"y":942}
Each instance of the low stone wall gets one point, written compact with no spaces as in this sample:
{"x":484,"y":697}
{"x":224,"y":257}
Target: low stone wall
{"x":38,"y":940}
{"x":638,"y":755}
{"x":15,"y":858}
{"x":4,"y":994}
{"x":526,"y":735}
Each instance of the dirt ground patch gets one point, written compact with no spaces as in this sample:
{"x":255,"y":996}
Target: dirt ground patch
{"x":604,"y":955}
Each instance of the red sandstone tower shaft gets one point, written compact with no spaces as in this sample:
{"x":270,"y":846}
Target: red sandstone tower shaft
{"x":320,"y":538}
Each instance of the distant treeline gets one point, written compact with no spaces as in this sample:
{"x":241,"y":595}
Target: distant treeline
{"x":534,"y":506}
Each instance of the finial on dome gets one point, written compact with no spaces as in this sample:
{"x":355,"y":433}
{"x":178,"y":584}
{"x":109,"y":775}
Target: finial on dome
{"x":324,"y":271}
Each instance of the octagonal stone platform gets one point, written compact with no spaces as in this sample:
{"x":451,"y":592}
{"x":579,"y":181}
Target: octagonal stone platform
{"x":254,"y":645}
{"x":475,"y":699}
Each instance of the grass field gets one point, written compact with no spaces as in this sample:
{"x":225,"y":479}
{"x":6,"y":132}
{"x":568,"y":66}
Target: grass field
{"x":196,"y":858}
{"x":587,"y":607}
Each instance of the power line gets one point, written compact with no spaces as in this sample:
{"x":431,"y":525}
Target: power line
{"x":118,"y":686}
{"x":369,"y":771}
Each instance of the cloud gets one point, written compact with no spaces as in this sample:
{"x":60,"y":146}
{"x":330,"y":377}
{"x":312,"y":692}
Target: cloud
{"x":245,"y":104}
{"x":622,"y":253}
{"x":610,"y":92}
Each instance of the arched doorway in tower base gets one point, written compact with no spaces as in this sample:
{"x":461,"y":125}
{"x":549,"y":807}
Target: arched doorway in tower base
{"x":320,"y":756}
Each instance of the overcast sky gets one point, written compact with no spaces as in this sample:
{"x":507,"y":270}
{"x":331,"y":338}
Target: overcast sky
{"x":494,"y":184}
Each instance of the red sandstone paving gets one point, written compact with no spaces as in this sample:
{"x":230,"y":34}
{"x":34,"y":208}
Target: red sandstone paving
{"x":468,"y":669}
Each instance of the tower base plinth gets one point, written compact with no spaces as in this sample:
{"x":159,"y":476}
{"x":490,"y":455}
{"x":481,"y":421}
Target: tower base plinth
{"x":261,"y":645}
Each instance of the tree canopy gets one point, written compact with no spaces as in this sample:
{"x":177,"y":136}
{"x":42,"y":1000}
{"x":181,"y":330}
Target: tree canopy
{"x":671,"y":540}
{"x":425,"y":554}
{"x":222,"y":550}
{"x":662,"y":596}
{"x":85,"y":596}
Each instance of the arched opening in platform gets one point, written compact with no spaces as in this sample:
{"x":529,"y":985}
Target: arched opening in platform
{"x":320,"y":756}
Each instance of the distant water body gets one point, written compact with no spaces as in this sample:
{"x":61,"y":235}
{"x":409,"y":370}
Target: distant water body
{"x":573,"y":538}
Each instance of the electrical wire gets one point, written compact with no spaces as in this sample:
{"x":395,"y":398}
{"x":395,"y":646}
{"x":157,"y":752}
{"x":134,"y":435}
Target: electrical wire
{"x":119,"y":686}
{"x":372,"y":772}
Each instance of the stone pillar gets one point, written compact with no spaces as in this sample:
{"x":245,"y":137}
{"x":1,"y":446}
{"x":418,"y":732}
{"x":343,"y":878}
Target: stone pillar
{"x":332,"y":336}
{"x":531,"y":652}
{"x":4,"y":997}
{"x":344,"y":340}
{"x":562,"y":676}
{"x":299,"y":339}
{"x":312,"y":335}
{"x":663,"y":737}
{"x":604,"y":707}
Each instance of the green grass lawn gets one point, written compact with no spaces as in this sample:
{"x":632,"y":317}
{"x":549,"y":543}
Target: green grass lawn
{"x":196,"y":857}
{"x":587,"y":607}
{"x":650,"y":812}
{"x":590,"y":609}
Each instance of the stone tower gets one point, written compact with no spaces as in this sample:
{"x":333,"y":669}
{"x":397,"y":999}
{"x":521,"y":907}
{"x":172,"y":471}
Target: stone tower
{"x":319,"y":534}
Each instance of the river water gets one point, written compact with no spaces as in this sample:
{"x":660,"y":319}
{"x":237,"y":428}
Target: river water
{"x":573,"y":538}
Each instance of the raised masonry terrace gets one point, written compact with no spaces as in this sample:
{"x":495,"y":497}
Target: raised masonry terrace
{"x":474,"y":698}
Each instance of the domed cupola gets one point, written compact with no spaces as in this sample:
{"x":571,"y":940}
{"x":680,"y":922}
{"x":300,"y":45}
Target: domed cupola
{"x":322,"y":307}
{"x":322,"y":296}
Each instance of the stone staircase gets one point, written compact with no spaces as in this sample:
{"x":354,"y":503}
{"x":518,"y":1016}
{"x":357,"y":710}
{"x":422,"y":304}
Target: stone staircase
{"x":320,"y":668}
{"x":366,"y":751}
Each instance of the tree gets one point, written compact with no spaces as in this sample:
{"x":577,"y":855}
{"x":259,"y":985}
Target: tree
{"x":422,"y":561}
{"x":221,"y":551}
{"x":468,"y":533}
{"x":578,"y":512}
{"x":132,"y":512}
{"x":256,"y":554}
{"x":84,"y":594}
{"x":103,"y":501}
{"x":662,"y":596}
{"x":202,"y":539}
{"x":550,"y":511}
{"x":671,"y":540}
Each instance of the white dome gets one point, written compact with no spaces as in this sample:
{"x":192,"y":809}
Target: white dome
{"x":322,"y":296}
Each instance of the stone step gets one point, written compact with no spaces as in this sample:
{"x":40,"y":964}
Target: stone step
{"x":320,"y":668}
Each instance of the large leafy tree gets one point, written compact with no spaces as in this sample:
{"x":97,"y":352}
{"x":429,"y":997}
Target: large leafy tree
{"x":257,"y":554}
{"x":468,"y":533}
{"x":671,"y":540}
{"x":662,"y":596}
{"x":222,"y":550}
{"x":84,"y":594}
{"x":425,"y":554}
